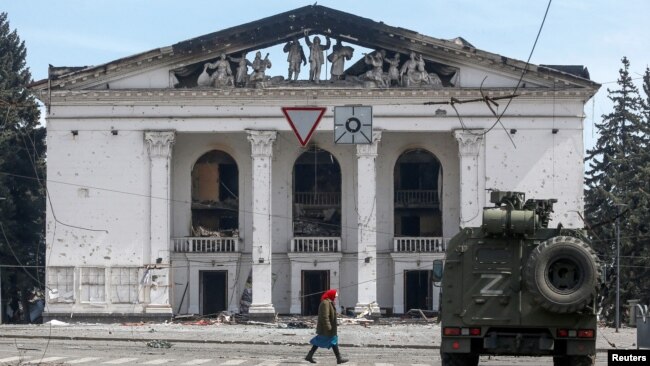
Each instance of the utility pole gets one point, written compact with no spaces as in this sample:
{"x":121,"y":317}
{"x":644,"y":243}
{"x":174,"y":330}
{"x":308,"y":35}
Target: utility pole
{"x":618,"y":268}
{"x":1,"y":312}
{"x":618,"y":264}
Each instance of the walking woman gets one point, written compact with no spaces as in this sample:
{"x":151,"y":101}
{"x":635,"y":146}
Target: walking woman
{"x":326,"y":336}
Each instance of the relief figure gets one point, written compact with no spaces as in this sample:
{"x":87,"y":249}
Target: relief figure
{"x":241,"y":77}
{"x":316,"y":58}
{"x":295,"y":55}
{"x":338,"y":56}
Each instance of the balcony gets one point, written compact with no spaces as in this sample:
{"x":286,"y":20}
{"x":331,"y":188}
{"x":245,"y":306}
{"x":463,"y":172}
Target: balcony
{"x":317,"y":199}
{"x":420,"y":244}
{"x":206,"y":245}
{"x":315,"y":245}
{"x":416,"y":198}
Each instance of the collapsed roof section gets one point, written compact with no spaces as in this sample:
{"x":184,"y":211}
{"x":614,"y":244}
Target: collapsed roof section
{"x":315,"y":19}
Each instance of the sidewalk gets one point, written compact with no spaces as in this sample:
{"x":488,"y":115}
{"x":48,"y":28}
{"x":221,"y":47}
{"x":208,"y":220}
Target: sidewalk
{"x":394,"y":334}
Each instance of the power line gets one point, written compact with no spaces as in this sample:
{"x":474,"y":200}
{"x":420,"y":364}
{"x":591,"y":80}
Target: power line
{"x":240,"y":210}
{"x":510,"y":97}
{"x":616,"y":81}
{"x":277,"y":216}
{"x":4,"y":235}
{"x":539,"y":32}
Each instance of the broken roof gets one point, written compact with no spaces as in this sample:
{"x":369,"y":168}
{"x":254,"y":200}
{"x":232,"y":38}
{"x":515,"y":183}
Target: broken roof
{"x":315,"y":19}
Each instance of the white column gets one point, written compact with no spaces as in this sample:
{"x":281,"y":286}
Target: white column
{"x":367,"y":225}
{"x":471,"y":152}
{"x":262,"y":154}
{"x":159,"y":145}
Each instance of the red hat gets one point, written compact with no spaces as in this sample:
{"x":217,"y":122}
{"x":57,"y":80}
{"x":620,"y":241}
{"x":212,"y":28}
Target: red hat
{"x":329,"y":294}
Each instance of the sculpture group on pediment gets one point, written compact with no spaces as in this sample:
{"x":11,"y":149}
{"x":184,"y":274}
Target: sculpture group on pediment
{"x":377,"y":69}
{"x":394,"y":78}
{"x":221,"y":77}
{"x":259,"y":66}
{"x":295,"y":56}
{"x":339,"y":55}
{"x":241,"y":77}
{"x":316,"y":58}
{"x":414,"y":73}
{"x":376,"y":74}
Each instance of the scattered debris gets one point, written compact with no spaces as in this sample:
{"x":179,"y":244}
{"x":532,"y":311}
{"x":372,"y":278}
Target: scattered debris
{"x":363,"y":322}
{"x":226,"y":317}
{"x":274,"y":325}
{"x":133,"y":324}
{"x":367,"y":312}
{"x":299,"y":325}
{"x":201,"y":231}
{"x":201,"y":322}
{"x":247,"y":294}
{"x":57,"y":322}
{"x":427,"y":315}
{"x":159,"y":344}
{"x":36,"y":305}
{"x":366,"y":318}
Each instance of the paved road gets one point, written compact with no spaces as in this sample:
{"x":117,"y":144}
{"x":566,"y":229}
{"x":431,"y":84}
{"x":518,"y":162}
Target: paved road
{"x":58,"y":352}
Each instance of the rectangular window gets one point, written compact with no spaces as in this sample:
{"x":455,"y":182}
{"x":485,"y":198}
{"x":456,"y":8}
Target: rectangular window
{"x":93,"y":284}
{"x":124,"y":285}
{"x":60,"y":281}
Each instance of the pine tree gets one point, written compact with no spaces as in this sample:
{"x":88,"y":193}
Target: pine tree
{"x":615,"y":190}
{"x":643,"y":260}
{"x":22,"y":151}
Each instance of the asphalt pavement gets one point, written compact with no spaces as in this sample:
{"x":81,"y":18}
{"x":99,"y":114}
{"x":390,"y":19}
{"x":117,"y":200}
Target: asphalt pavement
{"x":386,"y":333}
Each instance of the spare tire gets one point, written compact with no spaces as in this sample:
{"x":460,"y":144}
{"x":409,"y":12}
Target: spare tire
{"x":563,"y":274}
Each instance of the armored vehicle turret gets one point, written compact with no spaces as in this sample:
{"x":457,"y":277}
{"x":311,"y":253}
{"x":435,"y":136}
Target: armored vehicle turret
{"x":514,"y":286}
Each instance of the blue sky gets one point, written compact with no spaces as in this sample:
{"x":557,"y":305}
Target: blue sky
{"x":594,"y":33}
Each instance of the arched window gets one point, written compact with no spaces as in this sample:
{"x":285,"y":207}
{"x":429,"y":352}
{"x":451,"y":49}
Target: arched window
{"x":215,"y":195}
{"x":316,"y":194}
{"x":418,"y":189}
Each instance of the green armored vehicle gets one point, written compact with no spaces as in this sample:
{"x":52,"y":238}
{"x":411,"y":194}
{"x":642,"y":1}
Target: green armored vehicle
{"x":514,"y":286}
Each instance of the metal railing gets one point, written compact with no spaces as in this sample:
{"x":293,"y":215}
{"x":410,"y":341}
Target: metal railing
{"x":420,"y":244}
{"x":205,"y":245}
{"x":316,"y":245}
{"x":317,"y":199}
{"x":416,"y":197}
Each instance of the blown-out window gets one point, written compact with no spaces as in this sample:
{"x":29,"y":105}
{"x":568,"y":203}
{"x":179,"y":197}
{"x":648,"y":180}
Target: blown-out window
{"x":316,"y":194}
{"x":417,"y":194}
{"x":215,"y":195}
{"x":93,"y":284}
{"x":124,"y":285}
{"x":60,"y":282}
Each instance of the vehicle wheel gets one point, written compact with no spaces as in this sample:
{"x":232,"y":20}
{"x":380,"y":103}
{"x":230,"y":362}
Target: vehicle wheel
{"x":560,"y":361}
{"x":459,"y":359}
{"x":583,"y":360}
{"x":563,"y":274}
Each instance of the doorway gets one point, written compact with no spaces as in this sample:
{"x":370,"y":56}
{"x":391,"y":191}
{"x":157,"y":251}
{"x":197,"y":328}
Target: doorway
{"x":214,"y":291}
{"x":417,"y":290}
{"x":410,"y":226}
{"x":314,"y":284}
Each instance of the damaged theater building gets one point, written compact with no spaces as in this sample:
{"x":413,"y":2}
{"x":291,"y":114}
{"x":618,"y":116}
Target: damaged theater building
{"x":203,"y":177}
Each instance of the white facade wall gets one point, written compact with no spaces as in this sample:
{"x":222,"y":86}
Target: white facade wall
{"x":106,"y":188}
{"x":100,"y":183}
{"x":122,"y":142}
{"x":99,"y":189}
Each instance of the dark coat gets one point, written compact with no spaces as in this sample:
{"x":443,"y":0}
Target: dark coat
{"x":326,"y":319}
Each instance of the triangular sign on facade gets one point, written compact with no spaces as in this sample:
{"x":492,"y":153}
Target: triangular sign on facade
{"x":303,"y":121}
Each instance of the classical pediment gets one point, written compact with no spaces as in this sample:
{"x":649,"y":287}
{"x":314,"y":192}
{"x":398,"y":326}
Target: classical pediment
{"x":396,"y":58}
